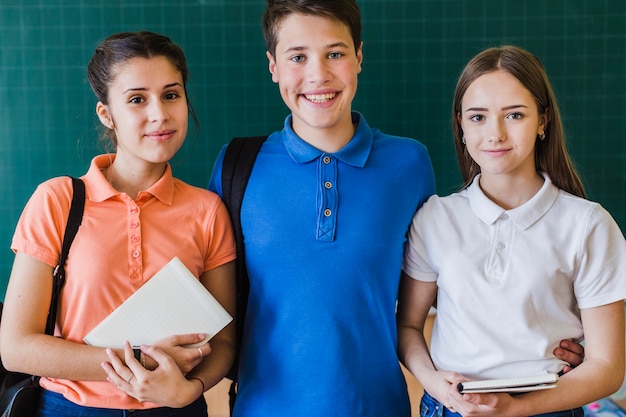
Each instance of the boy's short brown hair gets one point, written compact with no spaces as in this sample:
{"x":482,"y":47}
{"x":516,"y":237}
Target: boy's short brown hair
{"x":346,"y":11}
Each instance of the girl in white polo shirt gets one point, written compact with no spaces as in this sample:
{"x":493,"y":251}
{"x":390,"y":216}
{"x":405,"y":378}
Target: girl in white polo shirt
{"x":518,"y":254}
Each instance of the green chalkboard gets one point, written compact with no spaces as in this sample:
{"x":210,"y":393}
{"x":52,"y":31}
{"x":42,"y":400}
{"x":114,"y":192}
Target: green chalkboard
{"x":413,"y":52}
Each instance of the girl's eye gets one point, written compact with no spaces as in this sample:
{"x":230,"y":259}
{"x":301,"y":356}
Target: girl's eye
{"x":477,"y":118}
{"x":136,"y":100}
{"x":515,"y":116}
{"x":171,"y":96}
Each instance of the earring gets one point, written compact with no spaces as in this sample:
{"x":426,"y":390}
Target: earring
{"x":463,"y":139}
{"x":542,"y":136}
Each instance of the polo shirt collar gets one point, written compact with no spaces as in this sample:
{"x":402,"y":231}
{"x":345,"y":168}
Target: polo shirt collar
{"x":100,"y":190}
{"x":355,"y":153}
{"x":523,"y":216}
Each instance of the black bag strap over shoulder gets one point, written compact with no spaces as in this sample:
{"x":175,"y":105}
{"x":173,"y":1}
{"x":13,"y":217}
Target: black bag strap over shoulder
{"x":238,"y":161}
{"x":74,"y":219}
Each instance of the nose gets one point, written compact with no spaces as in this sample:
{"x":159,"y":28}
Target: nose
{"x":318,"y":71}
{"x":496,"y":130}
{"x":157,"y":111}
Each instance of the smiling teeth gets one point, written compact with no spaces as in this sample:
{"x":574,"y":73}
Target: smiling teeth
{"x":319,"y":98}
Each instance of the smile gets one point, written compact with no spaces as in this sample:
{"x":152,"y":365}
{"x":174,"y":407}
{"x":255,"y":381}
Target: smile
{"x":320,"y":98}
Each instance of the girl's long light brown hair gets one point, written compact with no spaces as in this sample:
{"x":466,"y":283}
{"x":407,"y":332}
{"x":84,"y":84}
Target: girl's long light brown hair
{"x":551,"y":154}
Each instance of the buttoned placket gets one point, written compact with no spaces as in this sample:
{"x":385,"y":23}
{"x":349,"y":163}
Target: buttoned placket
{"x":327,"y":198}
{"x":500,"y":246}
{"x":134,"y":239}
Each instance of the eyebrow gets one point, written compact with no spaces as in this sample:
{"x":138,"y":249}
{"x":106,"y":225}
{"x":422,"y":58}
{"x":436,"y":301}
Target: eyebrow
{"x":329,"y":46}
{"x":145,"y":89}
{"x":514,"y":106}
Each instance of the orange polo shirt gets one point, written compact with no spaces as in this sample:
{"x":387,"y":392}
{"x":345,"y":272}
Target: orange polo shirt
{"x":120,"y":245}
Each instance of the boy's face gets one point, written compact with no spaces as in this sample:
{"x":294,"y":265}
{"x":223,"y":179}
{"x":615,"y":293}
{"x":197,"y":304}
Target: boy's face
{"x":316,"y":68}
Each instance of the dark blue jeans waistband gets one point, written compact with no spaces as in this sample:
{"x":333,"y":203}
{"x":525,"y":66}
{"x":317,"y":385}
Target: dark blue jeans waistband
{"x":430,"y":407}
{"x":56,"y":405}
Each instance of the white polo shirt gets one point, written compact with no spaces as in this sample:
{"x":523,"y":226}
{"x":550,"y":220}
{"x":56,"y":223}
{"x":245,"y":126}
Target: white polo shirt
{"x":511,"y":281}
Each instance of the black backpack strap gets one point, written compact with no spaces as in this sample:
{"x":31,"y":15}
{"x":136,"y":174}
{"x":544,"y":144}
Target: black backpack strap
{"x":237,"y":165}
{"x":74,"y":220}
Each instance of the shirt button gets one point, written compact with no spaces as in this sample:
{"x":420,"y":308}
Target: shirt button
{"x":328,"y":212}
{"x":134,"y":225}
{"x":326,"y":159}
{"x":328,"y":184}
{"x":136,"y":254}
{"x":501,"y":245}
{"x":135,"y":238}
{"x":134,"y":210}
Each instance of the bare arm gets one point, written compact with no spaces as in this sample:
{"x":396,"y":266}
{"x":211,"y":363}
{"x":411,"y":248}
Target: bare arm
{"x":600,"y":374}
{"x":25,"y":346}
{"x":414,"y":301}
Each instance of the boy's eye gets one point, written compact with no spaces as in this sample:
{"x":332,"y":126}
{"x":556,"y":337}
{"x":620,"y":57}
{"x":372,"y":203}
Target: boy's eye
{"x":335,"y":55}
{"x":297,"y":58}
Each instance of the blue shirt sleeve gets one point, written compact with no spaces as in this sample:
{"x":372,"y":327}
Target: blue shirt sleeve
{"x":215,"y":183}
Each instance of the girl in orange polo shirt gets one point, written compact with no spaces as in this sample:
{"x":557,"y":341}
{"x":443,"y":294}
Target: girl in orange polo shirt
{"x":137,"y":218}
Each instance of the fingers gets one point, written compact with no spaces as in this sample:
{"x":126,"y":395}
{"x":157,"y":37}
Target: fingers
{"x":570,"y":352}
{"x":117,"y":372}
{"x":183,"y":340}
{"x":574,"y":347}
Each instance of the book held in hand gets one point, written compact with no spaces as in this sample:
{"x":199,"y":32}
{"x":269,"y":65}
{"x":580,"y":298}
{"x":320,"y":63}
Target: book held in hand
{"x":521,"y":384}
{"x":172,"y":302}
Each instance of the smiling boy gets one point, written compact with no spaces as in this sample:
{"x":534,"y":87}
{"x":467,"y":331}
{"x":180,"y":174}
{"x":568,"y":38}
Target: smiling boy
{"x":324,"y":217}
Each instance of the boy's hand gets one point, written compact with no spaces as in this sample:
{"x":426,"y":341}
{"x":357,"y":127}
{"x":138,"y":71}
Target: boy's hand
{"x":570,"y":352}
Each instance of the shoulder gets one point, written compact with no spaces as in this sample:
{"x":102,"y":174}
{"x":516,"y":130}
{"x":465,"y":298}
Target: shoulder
{"x":443,"y":207}
{"x":569,"y":206}
{"x":55,"y":192}
{"x":192,"y":193}
{"x":398,"y":142}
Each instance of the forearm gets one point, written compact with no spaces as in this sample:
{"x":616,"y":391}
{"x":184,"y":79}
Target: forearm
{"x":214,"y":366}
{"x":53,"y":357}
{"x":414,"y":355}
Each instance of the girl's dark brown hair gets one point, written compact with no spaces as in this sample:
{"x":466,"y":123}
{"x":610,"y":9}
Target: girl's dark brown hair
{"x":119,"y":48}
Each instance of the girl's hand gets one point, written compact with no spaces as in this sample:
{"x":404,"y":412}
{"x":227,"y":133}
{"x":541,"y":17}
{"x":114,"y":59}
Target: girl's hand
{"x":166,"y":385}
{"x":440,"y":384}
{"x":472,"y":405}
{"x":177,"y":348}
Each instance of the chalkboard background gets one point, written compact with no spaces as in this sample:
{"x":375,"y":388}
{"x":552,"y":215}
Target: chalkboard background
{"x":413,"y":52}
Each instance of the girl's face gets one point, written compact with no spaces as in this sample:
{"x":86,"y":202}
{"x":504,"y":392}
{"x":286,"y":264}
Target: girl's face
{"x":500,"y":122}
{"x":147,"y":109}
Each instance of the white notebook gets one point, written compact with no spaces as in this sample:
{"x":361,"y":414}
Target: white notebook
{"x":172,"y":302}
{"x":521,"y":384}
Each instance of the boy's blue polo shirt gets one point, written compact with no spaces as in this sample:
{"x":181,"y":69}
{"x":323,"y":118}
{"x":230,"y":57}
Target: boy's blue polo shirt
{"x":324,"y":236}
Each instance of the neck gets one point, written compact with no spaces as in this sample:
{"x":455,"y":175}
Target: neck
{"x":330,"y":139}
{"x":510,"y":193}
{"x":133,"y":180}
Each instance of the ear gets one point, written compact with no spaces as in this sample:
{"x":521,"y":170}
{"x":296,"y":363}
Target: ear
{"x":104,"y":115}
{"x":359,"y":57}
{"x":272,"y":66}
{"x":544,"y":119}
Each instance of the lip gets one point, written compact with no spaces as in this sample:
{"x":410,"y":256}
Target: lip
{"x":496,"y":152}
{"x":160,"y":135}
